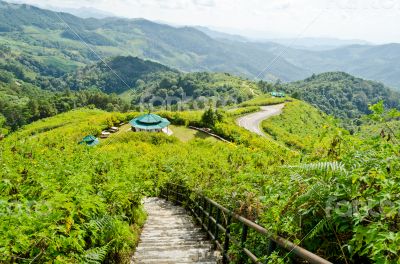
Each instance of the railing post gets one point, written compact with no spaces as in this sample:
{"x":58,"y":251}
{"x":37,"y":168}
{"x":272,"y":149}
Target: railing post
{"x":209,"y":217}
{"x":203,"y":210}
{"x":271,"y":247}
{"x":176,"y":194}
{"x":196,"y":204}
{"x":245,"y":229}
{"x":226,"y":243}
{"x":216,"y":230}
{"x":188,"y":203}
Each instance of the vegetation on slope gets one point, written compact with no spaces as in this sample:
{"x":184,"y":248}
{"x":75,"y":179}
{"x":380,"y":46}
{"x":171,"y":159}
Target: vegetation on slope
{"x":263,"y":100}
{"x":341,"y":94}
{"x":125,"y":72}
{"x":43,"y":33}
{"x":22,"y":103}
{"x":137,"y":81}
{"x":66,"y":202}
{"x":146,"y":80}
{"x":44,"y":166}
{"x":184,"y":48}
{"x":301,"y":126}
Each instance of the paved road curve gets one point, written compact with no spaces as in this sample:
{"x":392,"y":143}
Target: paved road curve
{"x":170,"y":236}
{"x":252,"y":122}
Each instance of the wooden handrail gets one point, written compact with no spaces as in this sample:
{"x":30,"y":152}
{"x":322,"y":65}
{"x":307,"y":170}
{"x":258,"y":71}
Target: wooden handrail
{"x":203,"y":213}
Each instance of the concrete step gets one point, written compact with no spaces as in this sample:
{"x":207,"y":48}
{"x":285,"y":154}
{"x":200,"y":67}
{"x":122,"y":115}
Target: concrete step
{"x":170,"y":236}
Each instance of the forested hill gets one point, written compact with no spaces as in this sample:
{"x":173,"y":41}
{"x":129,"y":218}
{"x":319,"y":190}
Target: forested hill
{"x":116,"y":75}
{"x":135,"y":77}
{"x":341,"y":94}
{"x":46,"y":36}
{"x":185,"y":48}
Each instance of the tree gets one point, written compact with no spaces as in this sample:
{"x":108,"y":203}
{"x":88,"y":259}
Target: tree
{"x":211,"y":117}
{"x":32,"y":110}
{"x":2,"y":120}
{"x":6,"y":76}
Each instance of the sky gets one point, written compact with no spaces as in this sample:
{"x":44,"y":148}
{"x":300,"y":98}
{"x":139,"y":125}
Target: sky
{"x":376,"y":21}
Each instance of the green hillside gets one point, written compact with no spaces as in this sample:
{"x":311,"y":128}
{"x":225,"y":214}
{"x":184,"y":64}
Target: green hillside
{"x":144,"y":80}
{"x":117,"y":75}
{"x":137,"y":83}
{"x":341,"y":94}
{"x":187,"y":49}
{"x":83,"y":204}
{"x":47,"y":35}
{"x":22,"y":103}
{"x":301,"y":127}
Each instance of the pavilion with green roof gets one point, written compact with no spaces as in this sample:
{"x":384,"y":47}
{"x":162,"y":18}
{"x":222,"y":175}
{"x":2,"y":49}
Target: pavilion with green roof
{"x":90,"y":141}
{"x":149,"y":123}
{"x":278,"y":94}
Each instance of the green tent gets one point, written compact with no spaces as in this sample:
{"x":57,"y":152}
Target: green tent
{"x":149,"y":122}
{"x":90,"y":141}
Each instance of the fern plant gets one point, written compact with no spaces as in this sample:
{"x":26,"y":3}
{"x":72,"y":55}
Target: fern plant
{"x":96,"y":255}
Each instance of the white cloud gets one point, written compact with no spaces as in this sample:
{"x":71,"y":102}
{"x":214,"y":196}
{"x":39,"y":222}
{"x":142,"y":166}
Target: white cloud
{"x":206,"y":3}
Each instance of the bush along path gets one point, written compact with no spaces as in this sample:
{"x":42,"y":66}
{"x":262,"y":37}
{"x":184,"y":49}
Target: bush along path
{"x":170,"y":236}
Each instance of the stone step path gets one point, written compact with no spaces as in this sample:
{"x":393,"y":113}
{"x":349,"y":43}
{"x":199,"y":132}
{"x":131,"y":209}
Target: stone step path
{"x":170,"y":236}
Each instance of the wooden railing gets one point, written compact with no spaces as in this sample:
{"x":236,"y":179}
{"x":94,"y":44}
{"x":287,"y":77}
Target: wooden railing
{"x":221,"y":225}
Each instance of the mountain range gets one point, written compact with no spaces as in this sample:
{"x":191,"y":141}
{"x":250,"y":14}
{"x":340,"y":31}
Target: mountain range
{"x":46,"y":34}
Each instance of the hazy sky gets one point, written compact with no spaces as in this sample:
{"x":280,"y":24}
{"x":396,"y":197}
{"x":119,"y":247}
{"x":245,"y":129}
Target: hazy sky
{"x":372,"y":20}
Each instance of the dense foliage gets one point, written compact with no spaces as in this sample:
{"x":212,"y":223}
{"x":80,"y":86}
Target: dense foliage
{"x":301,"y":127}
{"x":341,"y":94}
{"x":118,"y":75}
{"x":144,"y":81}
{"x":66,"y":202}
{"x":263,"y":100}
{"x":90,"y":189}
{"x":22,"y":103}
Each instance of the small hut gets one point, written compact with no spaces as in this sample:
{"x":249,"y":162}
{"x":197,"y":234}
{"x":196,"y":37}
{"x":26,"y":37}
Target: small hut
{"x":278,"y":94}
{"x":90,"y":141}
{"x":149,"y":123}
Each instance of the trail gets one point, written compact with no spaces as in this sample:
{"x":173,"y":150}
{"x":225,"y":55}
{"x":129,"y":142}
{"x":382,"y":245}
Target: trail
{"x":252,"y":122}
{"x":170,"y":236}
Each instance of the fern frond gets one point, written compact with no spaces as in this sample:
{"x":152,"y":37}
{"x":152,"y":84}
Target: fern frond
{"x":100,"y":223}
{"x":96,"y":255}
{"x":321,"y":166}
{"x":318,"y":229}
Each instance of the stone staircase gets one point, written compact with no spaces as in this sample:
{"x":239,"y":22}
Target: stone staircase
{"x":170,"y":236}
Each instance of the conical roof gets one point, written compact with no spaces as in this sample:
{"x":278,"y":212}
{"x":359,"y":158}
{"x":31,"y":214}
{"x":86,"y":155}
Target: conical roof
{"x":89,"y":138}
{"x":90,"y":141}
{"x":149,"y":121}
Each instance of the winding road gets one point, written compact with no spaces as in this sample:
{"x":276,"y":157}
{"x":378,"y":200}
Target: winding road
{"x":252,"y":122}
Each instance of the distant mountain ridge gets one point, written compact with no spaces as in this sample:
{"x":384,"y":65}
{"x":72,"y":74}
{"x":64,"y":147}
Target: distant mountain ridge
{"x":48,"y":36}
{"x":83,"y":12}
{"x":317,"y":44}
